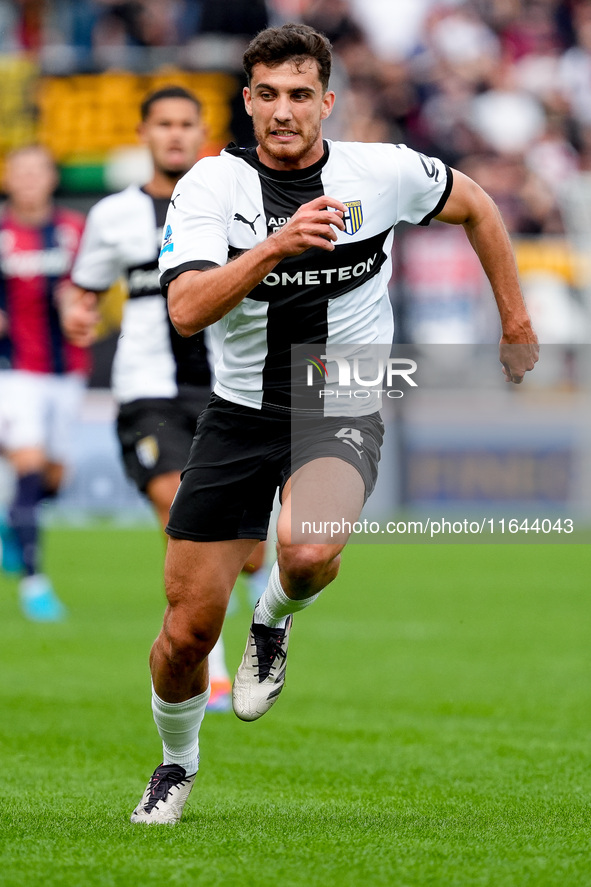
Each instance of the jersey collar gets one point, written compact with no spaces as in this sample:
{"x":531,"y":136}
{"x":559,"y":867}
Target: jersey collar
{"x":250,"y":156}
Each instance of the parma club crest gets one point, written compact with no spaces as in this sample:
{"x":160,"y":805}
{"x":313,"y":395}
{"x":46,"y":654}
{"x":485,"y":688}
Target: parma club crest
{"x":354,"y":218}
{"x":147,"y":451}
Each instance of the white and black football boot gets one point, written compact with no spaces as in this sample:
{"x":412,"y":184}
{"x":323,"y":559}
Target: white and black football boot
{"x":261,"y":674}
{"x":165,"y":796}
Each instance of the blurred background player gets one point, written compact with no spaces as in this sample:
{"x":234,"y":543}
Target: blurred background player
{"x":42,"y":375}
{"x":160,"y":380}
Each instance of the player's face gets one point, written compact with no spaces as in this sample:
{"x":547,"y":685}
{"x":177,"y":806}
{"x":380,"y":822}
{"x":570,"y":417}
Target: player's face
{"x":174,"y":134}
{"x":30,"y":179}
{"x":287,"y":104}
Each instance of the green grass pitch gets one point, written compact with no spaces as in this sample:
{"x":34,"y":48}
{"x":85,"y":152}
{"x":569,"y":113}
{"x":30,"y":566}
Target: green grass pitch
{"x":435,"y":728}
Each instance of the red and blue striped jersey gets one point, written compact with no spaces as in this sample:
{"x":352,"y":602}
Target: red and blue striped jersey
{"x":34,"y":261}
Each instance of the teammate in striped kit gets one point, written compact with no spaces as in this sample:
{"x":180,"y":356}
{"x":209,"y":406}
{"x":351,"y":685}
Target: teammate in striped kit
{"x":286,"y":243}
{"x":160,"y":380}
{"x":42,"y":375}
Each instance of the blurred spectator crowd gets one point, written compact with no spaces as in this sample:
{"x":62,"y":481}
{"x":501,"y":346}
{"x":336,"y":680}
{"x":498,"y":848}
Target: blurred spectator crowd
{"x":500,"y":89}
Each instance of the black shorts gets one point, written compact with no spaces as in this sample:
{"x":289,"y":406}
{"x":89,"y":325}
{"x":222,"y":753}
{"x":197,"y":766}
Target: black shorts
{"x":241,"y":456}
{"x":155,"y":434}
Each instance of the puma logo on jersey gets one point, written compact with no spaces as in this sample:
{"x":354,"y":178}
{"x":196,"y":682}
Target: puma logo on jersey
{"x":359,"y":452}
{"x":176,"y":197}
{"x":239,"y":218}
{"x":347,"y":435}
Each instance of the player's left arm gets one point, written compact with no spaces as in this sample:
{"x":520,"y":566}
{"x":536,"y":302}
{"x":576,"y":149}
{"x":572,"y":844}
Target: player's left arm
{"x":468,"y":205}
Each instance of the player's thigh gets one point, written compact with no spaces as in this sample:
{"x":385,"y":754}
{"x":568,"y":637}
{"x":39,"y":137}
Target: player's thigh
{"x":321,"y":502}
{"x":64,"y":399}
{"x":199,"y":576}
{"x":161,"y":491}
{"x":334,"y":468}
{"x":23,"y":410}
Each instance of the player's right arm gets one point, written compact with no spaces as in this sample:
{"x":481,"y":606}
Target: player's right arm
{"x":196,"y":298}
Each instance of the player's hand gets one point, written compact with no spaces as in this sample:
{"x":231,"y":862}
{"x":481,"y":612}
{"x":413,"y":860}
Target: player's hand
{"x":3,"y":324}
{"x":79,"y":315}
{"x":518,"y":358}
{"x":313,"y":224}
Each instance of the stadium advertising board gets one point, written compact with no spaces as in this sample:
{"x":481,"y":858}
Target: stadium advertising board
{"x":466,"y":456}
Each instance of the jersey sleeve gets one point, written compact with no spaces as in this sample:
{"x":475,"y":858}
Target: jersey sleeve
{"x":425,"y":184}
{"x":97,"y":263}
{"x":195,"y":235}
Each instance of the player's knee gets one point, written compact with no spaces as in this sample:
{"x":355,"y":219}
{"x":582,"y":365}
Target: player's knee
{"x":189,"y":641}
{"x":306,"y":563}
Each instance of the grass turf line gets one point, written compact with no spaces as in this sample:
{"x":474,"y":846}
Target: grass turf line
{"x":434,"y":729}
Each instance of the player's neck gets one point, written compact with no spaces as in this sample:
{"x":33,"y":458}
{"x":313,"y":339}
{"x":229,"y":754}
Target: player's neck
{"x":161,"y":184}
{"x":32,"y":216}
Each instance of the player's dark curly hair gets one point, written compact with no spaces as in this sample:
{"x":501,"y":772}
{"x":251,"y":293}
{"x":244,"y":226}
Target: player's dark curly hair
{"x":167,"y":92}
{"x":291,"y":42}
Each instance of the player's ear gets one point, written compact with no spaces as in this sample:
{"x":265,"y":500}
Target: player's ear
{"x":141,"y":131}
{"x":247,"y":100}
{"x":327,"y":105}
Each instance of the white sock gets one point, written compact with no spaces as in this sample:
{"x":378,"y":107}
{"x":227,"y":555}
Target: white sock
{"x":178,"y":724}
{"x":217,"y":662}
{"x":275,"y":606}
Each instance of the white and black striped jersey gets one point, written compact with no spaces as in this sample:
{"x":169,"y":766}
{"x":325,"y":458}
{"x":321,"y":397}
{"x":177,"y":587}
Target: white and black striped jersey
{"x":122,"y":238}
{"x":230,"y":203}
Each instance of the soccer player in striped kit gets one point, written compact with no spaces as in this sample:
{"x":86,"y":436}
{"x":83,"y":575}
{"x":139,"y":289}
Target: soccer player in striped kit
{"x":160,"y":380}
{"x":286,"y":243}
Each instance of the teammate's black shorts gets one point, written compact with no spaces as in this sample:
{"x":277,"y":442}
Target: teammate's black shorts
{"x":240,"y":456}
{"x":155,"y":434}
